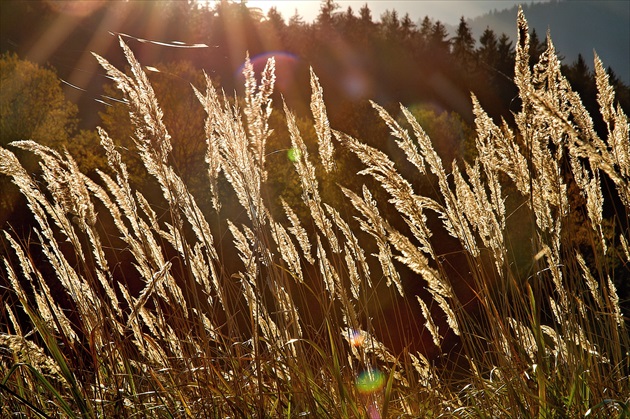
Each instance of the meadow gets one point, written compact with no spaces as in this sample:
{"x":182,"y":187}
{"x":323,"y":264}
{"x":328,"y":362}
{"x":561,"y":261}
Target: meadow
{"x":291,"y":312}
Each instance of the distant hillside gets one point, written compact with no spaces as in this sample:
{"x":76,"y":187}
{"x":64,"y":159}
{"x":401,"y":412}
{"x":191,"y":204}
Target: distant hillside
{"x":576,"y":27}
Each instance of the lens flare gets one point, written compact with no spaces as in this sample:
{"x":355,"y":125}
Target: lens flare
{"x":373,"y":413}
{"x":356,"y":338}
{"x":293,"y":154}
{"x":286,"y":67}
{"x":370,"y":381}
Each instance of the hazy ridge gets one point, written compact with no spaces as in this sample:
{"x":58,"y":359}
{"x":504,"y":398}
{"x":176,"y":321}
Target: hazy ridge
{"x":576,"y":27}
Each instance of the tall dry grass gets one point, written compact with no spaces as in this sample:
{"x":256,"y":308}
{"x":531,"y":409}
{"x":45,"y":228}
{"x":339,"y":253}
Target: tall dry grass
{"x":256,"y":316}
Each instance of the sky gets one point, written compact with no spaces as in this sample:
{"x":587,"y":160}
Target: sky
{"x":446,"y":11}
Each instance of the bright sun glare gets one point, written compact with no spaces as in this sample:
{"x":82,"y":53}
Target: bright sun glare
{"x":285,"y":8}
{"x":262,"y":4}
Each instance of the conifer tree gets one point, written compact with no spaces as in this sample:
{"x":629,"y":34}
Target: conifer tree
{"x":506,"y":55}
{"x":365,"y":14}
{"x":438,"y":39}
{"x":487,"y":52}
{"x":463,"y":44}
{"x":390,"y":24}
{"x":326,"y":16}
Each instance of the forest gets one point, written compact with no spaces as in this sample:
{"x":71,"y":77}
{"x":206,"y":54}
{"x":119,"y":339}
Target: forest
{"x":390,"y":58}
{"x":207,"y":211}
{"x":358,"y":57}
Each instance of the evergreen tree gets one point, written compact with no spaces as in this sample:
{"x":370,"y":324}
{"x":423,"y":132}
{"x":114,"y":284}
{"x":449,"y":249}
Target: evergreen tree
{"x":274,"y":29}
{"x":297,"y":35}
{"x":275,"y":19}
{"x":463,"y":44}
{"x":407,"y":27}
{"x":364,"y":29}
{"x":488,"y":52}
{"x":503,"y":76}
{"x":579,"y":72}
{"x":326,"y":17}
{"x":425,"y":28}
{"x":622,"y":90}
{"x":583,"y":81}
{"x":424,"y":33}
{"x":348,"y":23}
{"x":349,"y":15}
{"x":438,"y":39}
{"x":296,"y":20}
{"x":536,"y":47}
{"x":506,"y":56}
{"x":390,"y":24}
{"x":365,"y":14}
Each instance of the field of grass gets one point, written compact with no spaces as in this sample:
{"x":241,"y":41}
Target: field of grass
{"x":124,"y":305}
